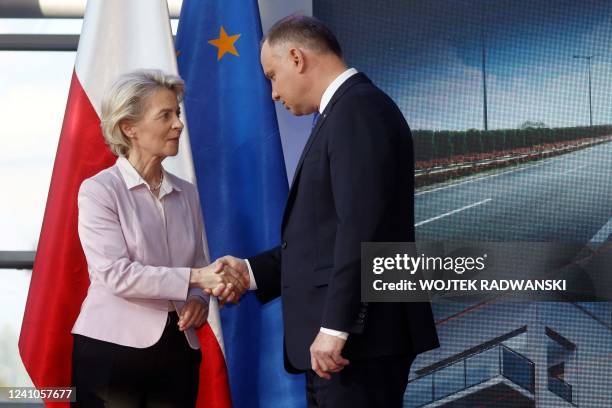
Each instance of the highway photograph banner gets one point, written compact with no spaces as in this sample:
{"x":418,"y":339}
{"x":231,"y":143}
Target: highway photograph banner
{"x":511,"y":117}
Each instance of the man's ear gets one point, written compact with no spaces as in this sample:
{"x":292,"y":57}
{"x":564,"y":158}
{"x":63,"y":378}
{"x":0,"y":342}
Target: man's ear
{"x":297,"y":58}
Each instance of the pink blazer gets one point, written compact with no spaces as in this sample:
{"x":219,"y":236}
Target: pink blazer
{"x":138,"y":259}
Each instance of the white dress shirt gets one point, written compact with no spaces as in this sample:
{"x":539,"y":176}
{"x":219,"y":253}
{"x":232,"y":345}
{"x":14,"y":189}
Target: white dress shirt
{"x":333,"y":87}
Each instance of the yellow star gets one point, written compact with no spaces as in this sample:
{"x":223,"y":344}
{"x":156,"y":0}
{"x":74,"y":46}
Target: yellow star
{"x":225,"y":44}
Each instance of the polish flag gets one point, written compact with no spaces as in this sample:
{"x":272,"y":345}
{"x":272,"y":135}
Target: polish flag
{"x":117,"y":37}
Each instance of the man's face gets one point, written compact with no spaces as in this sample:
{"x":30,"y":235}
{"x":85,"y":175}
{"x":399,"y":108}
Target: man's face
{"x":288,"y":83}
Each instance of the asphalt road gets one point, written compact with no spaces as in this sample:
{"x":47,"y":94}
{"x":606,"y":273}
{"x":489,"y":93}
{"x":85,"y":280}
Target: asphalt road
{"x":566,"y":198}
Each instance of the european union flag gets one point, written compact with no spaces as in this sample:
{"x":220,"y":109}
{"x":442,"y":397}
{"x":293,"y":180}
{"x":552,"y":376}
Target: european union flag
{"x":241,"y":178}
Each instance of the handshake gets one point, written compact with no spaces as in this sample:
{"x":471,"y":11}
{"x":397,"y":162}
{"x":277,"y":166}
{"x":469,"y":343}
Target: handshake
{"x":227,"y":278}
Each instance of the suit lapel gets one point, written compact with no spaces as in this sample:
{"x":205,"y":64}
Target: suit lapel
{"x":311,"y":139}
{"x":355,"y":79}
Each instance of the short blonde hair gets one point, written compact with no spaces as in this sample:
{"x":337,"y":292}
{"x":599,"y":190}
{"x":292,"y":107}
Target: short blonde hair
{"x":126,"y":100}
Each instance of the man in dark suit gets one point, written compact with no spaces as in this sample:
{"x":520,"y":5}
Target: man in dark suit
{"x":354,"y":183}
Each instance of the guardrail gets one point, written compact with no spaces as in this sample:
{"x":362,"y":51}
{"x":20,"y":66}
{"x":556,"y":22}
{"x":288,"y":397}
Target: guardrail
{"x":438,"y":174}
{"x":470,"y":371}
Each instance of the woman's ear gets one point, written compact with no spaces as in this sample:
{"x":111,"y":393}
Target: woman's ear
{"x":127,"y":128}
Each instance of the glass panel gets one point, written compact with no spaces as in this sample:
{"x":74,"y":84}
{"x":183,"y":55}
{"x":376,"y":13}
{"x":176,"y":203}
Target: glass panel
{"x":33,"y":93}
{"x":518,"y":369}
{"x":482,"y":366}
{"x":13,"y":293}
{"x":518,"y":343}
{"x":449,"y":380}
{"x":561,"y":388}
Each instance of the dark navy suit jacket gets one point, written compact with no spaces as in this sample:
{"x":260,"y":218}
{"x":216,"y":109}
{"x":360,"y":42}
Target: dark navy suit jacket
{"x":354,"y":183}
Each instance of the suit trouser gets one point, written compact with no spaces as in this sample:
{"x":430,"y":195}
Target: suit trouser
{"x":110,"y":375}
{"x":368,"y":383}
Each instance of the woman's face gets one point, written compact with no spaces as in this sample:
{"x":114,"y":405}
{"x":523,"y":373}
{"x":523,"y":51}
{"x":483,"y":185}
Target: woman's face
{"x":157,"y":133}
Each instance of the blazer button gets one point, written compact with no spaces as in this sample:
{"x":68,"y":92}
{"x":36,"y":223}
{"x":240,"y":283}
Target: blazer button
{"x":284,"y":245}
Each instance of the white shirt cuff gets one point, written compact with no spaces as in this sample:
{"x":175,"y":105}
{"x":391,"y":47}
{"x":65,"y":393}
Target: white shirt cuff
{"x":342,"y":335}
{"x":253,"y":286}
{"x":252,"y":283}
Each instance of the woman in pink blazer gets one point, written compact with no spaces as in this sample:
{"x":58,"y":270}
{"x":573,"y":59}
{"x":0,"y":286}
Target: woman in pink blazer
{"x":141,"y":230}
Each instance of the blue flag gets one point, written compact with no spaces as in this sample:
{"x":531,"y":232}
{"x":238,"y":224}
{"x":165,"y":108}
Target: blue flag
{"x":241,"y":178}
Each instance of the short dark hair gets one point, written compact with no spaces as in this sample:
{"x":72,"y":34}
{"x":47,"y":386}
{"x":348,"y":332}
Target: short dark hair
{"x":306,"y":31}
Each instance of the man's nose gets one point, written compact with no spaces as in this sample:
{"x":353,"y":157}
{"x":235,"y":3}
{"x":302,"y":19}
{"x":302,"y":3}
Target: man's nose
{"x":275,"y":95}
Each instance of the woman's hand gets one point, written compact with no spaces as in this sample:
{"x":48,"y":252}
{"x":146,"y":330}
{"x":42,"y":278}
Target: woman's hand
{"x":216,"y":277}
{"x":194,"y":313}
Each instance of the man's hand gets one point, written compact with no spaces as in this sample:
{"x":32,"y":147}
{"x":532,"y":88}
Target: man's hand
{"x":194,"y":313}
{"x":325,"y":355}
{"x":218,"y":275}
{"x":231,"y":293}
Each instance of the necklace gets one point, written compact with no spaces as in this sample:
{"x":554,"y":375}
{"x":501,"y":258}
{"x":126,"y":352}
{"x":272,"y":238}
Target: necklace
{"x":157,"y":187}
